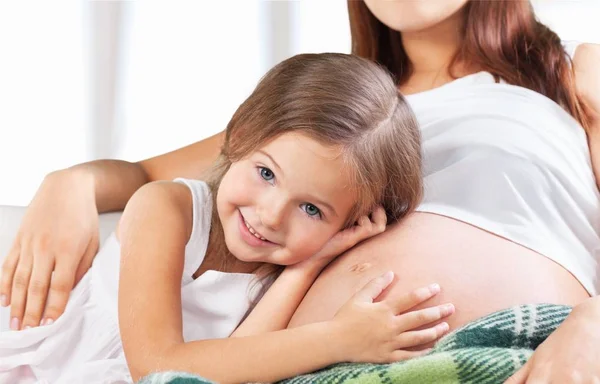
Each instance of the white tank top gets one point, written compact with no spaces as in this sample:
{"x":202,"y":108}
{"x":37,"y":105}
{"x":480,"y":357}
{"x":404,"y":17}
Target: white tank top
{"x":512,"y":162}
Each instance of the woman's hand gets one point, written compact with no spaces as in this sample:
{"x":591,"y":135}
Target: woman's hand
{"x":380,"y":332}
{"x":569,"y":355}
{"x":365,"y":228}
{"x":54,"y":247}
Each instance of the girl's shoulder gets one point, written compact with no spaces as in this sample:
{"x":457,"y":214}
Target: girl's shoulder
{"x":167,"y":199}
{"x":200,"y":218}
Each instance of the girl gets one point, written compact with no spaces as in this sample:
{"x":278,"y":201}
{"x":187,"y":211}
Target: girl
{"x":321,"y":143}
{"x":511,"y":210}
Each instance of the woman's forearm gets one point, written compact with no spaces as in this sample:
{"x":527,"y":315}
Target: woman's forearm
{"x":113,"y":182}
{"x":594,"y":144}
{"x":592,"y":305}
{"x":262,"y":358}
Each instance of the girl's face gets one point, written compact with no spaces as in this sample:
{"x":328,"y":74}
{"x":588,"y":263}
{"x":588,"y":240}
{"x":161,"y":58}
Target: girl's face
{"x":282,"y":204}
{"x":413,"y":15}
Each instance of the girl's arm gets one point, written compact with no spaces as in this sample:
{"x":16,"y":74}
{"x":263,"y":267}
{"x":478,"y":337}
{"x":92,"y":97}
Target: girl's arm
{"x":153,"y":232}
{"x":276,"y":308}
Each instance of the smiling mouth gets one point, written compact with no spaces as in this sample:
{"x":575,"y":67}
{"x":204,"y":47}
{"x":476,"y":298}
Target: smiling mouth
{"x":253,"y":232}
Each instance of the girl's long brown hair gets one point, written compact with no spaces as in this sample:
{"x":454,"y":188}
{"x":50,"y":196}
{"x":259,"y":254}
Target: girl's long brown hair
{"x":342,"y":101}
{"x":502,"y":37}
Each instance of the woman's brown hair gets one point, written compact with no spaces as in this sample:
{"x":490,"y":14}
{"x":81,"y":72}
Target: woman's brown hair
{"x":342,"y":101}
{"x":502,"y":37}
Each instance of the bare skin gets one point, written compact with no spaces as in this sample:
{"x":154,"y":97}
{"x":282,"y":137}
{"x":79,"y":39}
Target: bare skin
{"x":479,"y":272}
{"x":456,"y":254}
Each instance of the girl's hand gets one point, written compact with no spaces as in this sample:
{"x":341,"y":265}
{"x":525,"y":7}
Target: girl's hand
{"x":380,"y":332}
{"x":571,"y":354}
{"x":365,"y":228}
{"x":54,"y":247}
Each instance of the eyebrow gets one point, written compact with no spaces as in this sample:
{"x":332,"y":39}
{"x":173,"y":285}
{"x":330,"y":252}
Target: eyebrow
{"x":272,"y":160}
{"x":317,"y":201}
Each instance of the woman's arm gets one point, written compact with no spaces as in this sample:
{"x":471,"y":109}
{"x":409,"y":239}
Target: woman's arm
{"x":115,"y":181}
{"x":154,"y":231}
{"x":58,"y":236}
{"x":587,"y":80}
{"x":572,"y":352}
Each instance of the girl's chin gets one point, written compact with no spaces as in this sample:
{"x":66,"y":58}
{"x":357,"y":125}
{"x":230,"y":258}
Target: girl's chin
{"x":247,"y":257}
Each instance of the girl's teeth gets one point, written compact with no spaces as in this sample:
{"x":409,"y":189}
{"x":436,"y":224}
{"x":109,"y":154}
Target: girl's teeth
{"x":252,"y":231}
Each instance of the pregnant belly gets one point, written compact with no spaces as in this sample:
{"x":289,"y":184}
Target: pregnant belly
{"x":479,"y":272}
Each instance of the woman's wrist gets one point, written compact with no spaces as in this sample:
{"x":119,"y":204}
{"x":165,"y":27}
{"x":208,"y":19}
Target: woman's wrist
{"x":71,"y":180}
{"x":591,"y":307}
{"x":73,"y":176}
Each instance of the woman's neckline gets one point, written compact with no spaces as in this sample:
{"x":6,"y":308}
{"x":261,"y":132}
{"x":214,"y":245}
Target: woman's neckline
{"x":451,"y":84}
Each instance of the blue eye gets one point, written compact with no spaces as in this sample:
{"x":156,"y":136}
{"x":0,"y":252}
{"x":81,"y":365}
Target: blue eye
{"x":311,"y":210}
{"x":266,"y":173}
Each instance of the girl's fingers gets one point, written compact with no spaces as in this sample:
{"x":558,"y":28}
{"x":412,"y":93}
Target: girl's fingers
{"x":424,"y":336}
{"x":373,"y":288}
{"x":416,"y":319}
{"x":404,"y":302}
{"x":364,"y":223}
{"x":400,"y":354}
{"x":379,"y":219}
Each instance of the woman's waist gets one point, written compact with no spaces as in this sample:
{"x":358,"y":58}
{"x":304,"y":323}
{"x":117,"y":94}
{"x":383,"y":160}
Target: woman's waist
{"x":534,"y":231}
{"x":479,"y":272}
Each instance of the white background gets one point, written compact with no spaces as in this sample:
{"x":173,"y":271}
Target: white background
{"x":82,"y":80}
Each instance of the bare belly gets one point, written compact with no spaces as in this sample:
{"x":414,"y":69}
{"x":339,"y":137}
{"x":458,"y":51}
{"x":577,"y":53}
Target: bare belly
{"x":479,"y":272}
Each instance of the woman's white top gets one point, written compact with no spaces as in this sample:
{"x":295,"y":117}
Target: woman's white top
{"x":514,"y":163}
{"x":84,"y":345}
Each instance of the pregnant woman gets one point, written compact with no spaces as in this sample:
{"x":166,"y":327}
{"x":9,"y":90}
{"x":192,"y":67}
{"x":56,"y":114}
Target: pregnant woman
{"x":510,"y":120}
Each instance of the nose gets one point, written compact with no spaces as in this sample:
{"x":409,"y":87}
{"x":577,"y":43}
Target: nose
{"x":271,"y":212}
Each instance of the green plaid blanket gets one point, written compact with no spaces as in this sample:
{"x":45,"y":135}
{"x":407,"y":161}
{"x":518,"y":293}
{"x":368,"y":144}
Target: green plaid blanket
{"x":488,"y":350}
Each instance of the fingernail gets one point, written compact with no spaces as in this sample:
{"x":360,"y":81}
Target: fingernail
{"x":14,"y":324}
{"x":448,"y":308}
{"x":27,"y":327}
{"x":3,"y":300}
{"x":444,"y":327}
{"x":388,"y":275}
{"x":48,"y":322}
{"x":434,"y":288}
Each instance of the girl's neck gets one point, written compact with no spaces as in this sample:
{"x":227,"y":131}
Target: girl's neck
{"x":218,"y":258}
{"x":431,"y":51}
